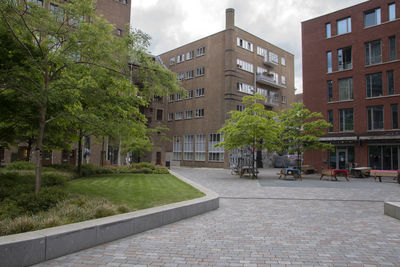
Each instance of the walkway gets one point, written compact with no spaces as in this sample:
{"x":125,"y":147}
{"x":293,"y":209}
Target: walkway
{"x":267,"y":222}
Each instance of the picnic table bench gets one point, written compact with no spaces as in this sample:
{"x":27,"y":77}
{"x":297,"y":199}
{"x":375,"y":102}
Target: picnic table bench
{"x":296,"y":173}
{"x":379,"y":173}
{"x":333,"y":173}
{"x":247,"y":169}
{"x":361,"y":172}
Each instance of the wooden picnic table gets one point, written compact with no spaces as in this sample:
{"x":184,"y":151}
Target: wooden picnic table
{"x":296,"y":173}
{"x":333,"y":173}
{"x":379,"y":173}
{"x":361,"y":172}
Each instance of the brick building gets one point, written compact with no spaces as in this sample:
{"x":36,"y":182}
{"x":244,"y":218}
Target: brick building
{"x":351,"y":74}
{"x":217,"y":71}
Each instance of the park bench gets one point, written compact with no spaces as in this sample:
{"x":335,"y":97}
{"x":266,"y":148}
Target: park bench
{"x":333,"y":173}
{"x":380,"y":173}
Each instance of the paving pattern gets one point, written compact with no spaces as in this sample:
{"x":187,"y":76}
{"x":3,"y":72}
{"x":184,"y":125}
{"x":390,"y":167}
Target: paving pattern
{"x":266,"y":222}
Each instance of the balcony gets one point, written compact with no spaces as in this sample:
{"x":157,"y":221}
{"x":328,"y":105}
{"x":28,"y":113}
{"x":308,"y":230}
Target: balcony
{"x":269,"y":63}
{"x":271,"y":102}
{"x":268,"y":80}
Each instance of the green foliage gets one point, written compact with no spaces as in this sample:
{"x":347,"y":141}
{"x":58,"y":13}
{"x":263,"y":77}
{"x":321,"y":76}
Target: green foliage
{"x":20,"y":165}
{"x":301,"y":129}
{"x":161,"y":170}
{"x":90,"y":169}
{"x":142,"y":165}
{"x":104,"y":211}
{"x":47,"y":198}
{"x":53,"y":179}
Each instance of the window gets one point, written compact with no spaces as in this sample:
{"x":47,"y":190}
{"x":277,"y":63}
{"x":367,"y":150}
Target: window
{"x":188,"y":114}
{"x":239,"y":108}
{"x":200,"y":71}
{"x":170,"y":116}
{"x":200,"y":147}
{"x":372,"y":17}
{"x":344,"y":26}
{"x":261,"y":51}
{"x":390,"y":82}
{"x":215,"y":153}
{"x":245,"y":44}
{"x":199,"y":92}
{"x":189,"y":94}
{"x":177,"y":148}
{"x":346,"y":120}
{"x":263,"y":92}
{"x":180,"y":58}
{"x":329,"y":61}
{"x":373,"y":52}
{"x":330,"y":92}
{"x":283,"y":99}
{"x":384,"y":157}
{"x":171,"y":98}
{"x":274,"y":97}
{"x":178,"y":115}
{"x":181,"y":76}
{"x":375,"y":118}
{"x":119,"y":32}
{"x":200,"y":113}
{"x":395,"y":116}
{"x":346,"y":89}
{"x":243,"y":65}
{"x":344,"y":58}
{"x":159,"y":115}
{"x":172,"y":61}
{"x":392,"y":48}
{"x":283,"y":61}
{"x":261,"y":70}
{"x":57,"y":12}
{"x":273,"y":58}
{"x":392,"y":11}
{"x":328,"y":31}
{"x":201,"y":51}
{"x":190,"y":74}
{"x":178,"y":97}
{"x":188,"y":147}
{"x":283,"y":80}
{"x":374,"y":85}
{"x":330,"y":120}
{"x":245,"y":88}
{"x":189,"y":55}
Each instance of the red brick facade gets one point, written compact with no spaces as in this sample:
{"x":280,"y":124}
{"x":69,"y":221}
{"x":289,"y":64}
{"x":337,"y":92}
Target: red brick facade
{"x":356,"y":141}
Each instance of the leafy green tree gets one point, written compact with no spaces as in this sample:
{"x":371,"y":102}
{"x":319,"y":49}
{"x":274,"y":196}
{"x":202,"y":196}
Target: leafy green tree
{"x":253,"y":128}
{"x":300,"y":130}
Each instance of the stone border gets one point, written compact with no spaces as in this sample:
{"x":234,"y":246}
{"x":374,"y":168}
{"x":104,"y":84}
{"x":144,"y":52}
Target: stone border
{"x":392,"y":209}
{"x":42,"y":245}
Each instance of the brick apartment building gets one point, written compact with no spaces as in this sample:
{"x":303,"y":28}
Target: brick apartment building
{"x":117,"y":12}
{"x":351,"y":74}
{"x":217,"y":71}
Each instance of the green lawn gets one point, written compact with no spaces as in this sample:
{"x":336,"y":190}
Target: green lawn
{"x":137,"y":191}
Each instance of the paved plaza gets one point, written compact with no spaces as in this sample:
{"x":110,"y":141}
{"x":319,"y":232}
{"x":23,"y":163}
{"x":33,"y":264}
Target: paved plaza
{"x":267,"y":222}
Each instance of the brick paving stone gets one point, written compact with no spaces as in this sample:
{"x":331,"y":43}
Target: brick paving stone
{"x":266,"y":222}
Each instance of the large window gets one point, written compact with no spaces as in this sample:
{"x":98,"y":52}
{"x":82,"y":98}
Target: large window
{"x":330,"y":91}
{"x":57,"y":12}
{"x":243,"y":65}
{"x":272,"y":57}
{"x":328,"y":32}
{"x":245,"y":88}
{"x":395,"y":116}
{"x":374,"y":84}
{"x":390,"y":82}
{"x":159,"y":115}
{"x":200,"y":71}
{"x":373,"y":52}
{"x":392,"y":11}
{"x":346,"y":120}
{"x":372,"y":17}
{"x":201,"y":51}
{"x":392,"y":48}
{"x":215,"y":153}
{"x":383,"y":157}
{"x":188,"y":147}
{"x":344,"y":58}
{"x":344,"y":26}
{"x":375,"y":118}
{"x":190,"y":74}
{"x":199,"y":92}
{"x":346,"y":89}
{"x":262,"y":51}
{"x":330,"y":120}
{"x":177,"y":148}
{"x":245,"y":44}
{"x":200,"y":147}
{"x":329,"y":61}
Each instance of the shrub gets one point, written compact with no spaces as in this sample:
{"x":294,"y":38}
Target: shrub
{"x":63,"y":167}
{"x":53,"y":179}
{"x":146,"y":170}
{"x":142,"y":165}
{"x":90,"y":169}
{"x":18,"y":225}
{"x":46,"y":198}
{"x":161,"y":170}
{"x":123,"y":209}
{"x":20,"y":165}
{"x":104,"y":211}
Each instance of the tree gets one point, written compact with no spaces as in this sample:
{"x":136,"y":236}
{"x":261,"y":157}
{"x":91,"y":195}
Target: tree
{"x":300,"y":130}
{"x":253,"y":128}
{"x":68,"y":52}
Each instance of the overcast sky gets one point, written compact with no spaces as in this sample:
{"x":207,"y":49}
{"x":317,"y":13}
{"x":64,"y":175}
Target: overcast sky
{"x":173,"y":23}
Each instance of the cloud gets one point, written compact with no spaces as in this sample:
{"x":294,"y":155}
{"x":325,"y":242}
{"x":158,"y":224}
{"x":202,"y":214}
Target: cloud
{"x":173,"y":23}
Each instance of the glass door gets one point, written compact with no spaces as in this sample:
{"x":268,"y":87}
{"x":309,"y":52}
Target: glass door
{"x":341,"y":158}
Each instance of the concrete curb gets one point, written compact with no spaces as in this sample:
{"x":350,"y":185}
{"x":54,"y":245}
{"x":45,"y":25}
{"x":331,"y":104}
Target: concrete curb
{"x":392,"y":209}
{"x":38,"y":246}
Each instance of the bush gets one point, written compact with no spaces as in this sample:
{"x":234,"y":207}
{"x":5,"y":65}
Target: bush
{"x":63,"y":167}
{"x":161,"y":170}
{"x":18,"y":225}
{"x":20,"y":165}
{"x":146,"y":170}
{"x":123,"y":209}
{"x":47,"y":198}
{"x":142,"y":165}
{"x":90,"y":169}
{"x":104,"y":211}
{"x":53,"y":179}
{"x":12,"y":184}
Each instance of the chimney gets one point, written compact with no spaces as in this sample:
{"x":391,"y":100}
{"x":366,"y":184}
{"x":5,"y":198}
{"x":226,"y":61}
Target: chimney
{"x":230,"y":18}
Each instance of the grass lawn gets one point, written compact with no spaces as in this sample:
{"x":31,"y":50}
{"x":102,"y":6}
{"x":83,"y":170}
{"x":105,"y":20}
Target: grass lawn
{"x":137,"y":191}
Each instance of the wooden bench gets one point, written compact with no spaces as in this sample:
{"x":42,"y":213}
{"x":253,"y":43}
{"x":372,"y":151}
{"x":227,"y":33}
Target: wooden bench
{"x":307,"y":169}
{"x":379,"y":173}
{"x":296,"y":173}
{"x":248,"y":170}
{"x":333,"y":173}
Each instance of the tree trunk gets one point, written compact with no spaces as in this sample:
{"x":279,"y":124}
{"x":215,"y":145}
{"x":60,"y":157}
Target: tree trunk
{"x":79,"y":169}
{"x":39,"y":147}
{"x":29,"y":150}
{"x":102,"y":153}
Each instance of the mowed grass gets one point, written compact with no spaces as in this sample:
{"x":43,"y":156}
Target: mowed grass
{"x":137,"y":191}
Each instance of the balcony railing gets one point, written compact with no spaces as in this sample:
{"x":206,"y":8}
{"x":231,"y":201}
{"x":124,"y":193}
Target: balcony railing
{"x":269,"y":63}
{"x":268,"y":80}
{"x":270,"y":101}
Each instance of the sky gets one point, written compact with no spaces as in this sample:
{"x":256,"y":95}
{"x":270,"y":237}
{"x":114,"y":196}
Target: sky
{"x":173,"y":23}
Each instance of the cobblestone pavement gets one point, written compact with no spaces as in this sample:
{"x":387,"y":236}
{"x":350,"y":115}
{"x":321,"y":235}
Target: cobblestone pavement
{"x":266,"y":222}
